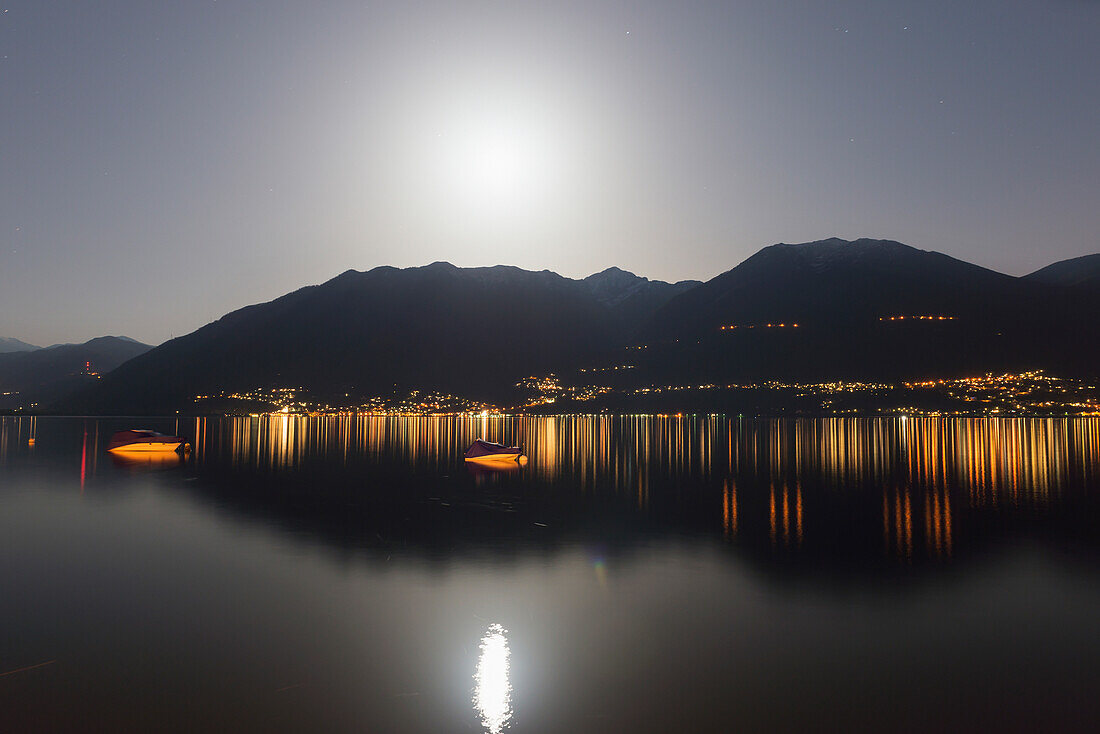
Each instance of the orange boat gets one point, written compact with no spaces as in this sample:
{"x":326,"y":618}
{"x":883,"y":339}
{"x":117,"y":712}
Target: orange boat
{"x":488,"y":451}
{"x":143,"y":440}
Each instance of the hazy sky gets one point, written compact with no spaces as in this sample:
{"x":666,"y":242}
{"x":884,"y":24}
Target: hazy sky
{"x":162,"y":163}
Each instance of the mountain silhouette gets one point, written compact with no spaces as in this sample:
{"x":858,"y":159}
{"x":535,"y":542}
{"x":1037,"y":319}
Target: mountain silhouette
{"x":630,"y":297}
{"x":812,"y":312}
{"x":468,"y":331}
{"x":9,"y":344}
{"x":1075,"y":272}
{"x":47,"y":375}
{"x":858,"y":307}
{"x":835,"y":282}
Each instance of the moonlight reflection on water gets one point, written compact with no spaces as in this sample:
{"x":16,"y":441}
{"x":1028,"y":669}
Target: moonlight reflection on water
{"x":663,"y":574}
{"x":493,"y":692}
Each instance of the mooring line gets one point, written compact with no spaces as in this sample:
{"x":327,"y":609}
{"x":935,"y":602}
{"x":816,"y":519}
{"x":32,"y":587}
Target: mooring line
{"x":29,"y":667}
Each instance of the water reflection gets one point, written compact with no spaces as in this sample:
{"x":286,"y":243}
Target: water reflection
{"x":492,"y":689}
{"x":1016,"y":460}
{"x":912,"y":488}
{"x":489,"y":467}
{"x":665,"y":574}
{"x":729,"y":508}
{"x":897,"y":522}
{"x":161,"y":459}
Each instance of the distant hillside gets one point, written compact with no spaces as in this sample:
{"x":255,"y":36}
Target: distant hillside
{"x":847,"y":299}
{"x":814,"y":312}
{"x":835,"y":282}
{"x":8,"y":344}
{"x":473,"y":332}
{"x":632,"y":298}
{"x":44,"y":376}
{"x":1078,"y":271}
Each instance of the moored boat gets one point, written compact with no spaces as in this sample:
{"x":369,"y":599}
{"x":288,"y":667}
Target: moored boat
{"x":488,"y":451}
{"x":144,"y":440}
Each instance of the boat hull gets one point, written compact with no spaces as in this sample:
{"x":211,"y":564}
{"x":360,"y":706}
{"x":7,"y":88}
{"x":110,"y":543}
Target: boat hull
{"x":496,"y":457}
{"x":143,"y":441}
{"x":141,"y":447}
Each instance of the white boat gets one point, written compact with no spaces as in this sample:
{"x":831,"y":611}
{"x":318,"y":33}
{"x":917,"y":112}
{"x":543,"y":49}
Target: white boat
{"x":488,"y":451}
{"x":142,"y":440}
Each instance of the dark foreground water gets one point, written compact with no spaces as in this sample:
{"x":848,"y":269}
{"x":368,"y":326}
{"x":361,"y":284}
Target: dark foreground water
{"x":637,"y":575}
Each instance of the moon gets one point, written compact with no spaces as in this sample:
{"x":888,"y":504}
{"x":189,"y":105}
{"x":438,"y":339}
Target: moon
{"x":499,"y":165}
{"x":500,"y":162}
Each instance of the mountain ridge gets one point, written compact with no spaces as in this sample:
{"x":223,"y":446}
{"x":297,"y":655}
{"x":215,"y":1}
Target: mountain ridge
{"x":478,"y":332}
{"x":437,"y":326}
{"x":10,"y":344}
{"x":1076,"y":271}
{"x":53,"y":373}
{"x":791,"y":283}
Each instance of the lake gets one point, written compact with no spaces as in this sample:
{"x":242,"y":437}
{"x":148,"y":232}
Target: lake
{"x":637,"y":574}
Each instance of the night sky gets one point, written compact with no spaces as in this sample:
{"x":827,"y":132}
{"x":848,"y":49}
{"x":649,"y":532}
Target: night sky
{"x":164,"y":163}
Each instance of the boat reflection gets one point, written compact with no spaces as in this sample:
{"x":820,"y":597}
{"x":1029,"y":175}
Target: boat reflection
{"x":159,"y":459}
{"x":480,"y":467}
{"x":492,"y":688}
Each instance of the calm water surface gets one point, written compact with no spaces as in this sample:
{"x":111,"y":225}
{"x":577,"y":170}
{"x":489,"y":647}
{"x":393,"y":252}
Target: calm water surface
{"x":637,"y":575}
